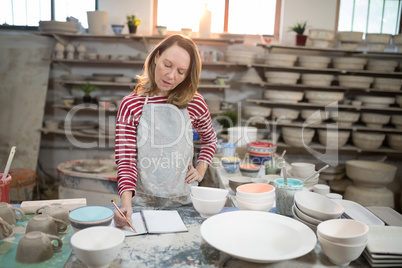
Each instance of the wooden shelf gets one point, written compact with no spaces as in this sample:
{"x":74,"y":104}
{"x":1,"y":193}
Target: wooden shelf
{"x":75,"y":133}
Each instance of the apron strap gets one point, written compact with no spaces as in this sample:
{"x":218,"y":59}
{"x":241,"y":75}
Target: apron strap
{"x":146,"y":100}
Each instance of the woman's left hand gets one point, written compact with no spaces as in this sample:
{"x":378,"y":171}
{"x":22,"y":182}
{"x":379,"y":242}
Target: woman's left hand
{"x":193,"y":175}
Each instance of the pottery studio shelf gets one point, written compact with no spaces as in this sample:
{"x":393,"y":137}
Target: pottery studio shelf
{"x":76,"y":133}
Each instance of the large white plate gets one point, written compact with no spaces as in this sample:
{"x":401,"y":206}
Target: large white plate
{"x":359,"y":213}
{"x":258,"y":236}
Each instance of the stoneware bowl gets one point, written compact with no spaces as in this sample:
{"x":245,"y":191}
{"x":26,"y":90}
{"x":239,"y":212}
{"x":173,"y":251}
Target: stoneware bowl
{"x":344,"y":231}
{"x":314,"y":61}
{"x":208,"y":207}
{"x":90,"y":216}
{"x":374,"y":120}
{"x":370,"y":196}
{"x":208,"y":193}
{"x":318,"y":206}
{"x":395,"y":141}
{"x":303,"y":170}
{"x":283,"y":96}
{"x":345,"y":119}
{"x":249,"y":170}
{"x":333,"y":138}
{"x":261,"y":147}
{"x":255,"y":190}
{"x":243,"y":205}
{"x":368,"y":140}
{"x":230,"y":164}
{"x":285,"y":115}
{"x":300,"y":214}
{"x":97,"y":246}
{"x":370,"y":173}
{"x":340,"y":254}
{"x":235,"y":182}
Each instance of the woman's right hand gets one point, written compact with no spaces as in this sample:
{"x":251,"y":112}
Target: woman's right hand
{"x":126,"y":208}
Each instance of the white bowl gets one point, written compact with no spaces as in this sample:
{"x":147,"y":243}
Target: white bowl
{"x":318,"y":206}
{"x":305,"y":217}
{"x":314,"y":116}
{"x":235,"y":182}
{"x":253,"y":206}
{"x":370,"y":172}
{"x":256,"y":200}
{"x":392,"y":84}
{"x":314,"y":61}
{"x":310,"y":225}
{"x":283,"y":96}
{"x":382,"y":65}
{"x":303,"y":170}
{"x":209,"y":193}
{"x":328,"y":137}
{"x":395,"y":141}
{"x":345,"y":118}
{"x":355,"y":81}
{"x":370,"y":196}
{"x":282,"y":114}
{"x":298,"y":132}
{"x":368,"y":140}
{"x":325,"y":96}
{"x":208,"y":208}
{"x":256,"y":110}
{"x":396,"y":120}
{"x":340,"y":254}
{"x":280,"y":60}
{"x":255,"y":190}
{"x":287,"y":78}
{"x":350,"y":36}
{"x":344,"y":231}
{"x":349,"y":63}
{"x":97,"y":246}
{"x":317,"y":79}
{"x":378,"y":38}
{"x":375,"y":120}
{"x":322,"y":34}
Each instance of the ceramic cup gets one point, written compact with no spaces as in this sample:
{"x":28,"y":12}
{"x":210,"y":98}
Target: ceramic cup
{"x":10,"y":214}
{"x":46,"y":224}
{"x":321,"y":189}
{"x":285,"y":194}
{"x":55,"y":210}
{"x":5,"y":229}
{"x":37,"y":247}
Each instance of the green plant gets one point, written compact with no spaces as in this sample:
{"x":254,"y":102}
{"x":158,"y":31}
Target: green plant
{"x":299,"y":27}
{"x":133,"y":21}
{"x":227,"y":119}
{"x":87,"y":88}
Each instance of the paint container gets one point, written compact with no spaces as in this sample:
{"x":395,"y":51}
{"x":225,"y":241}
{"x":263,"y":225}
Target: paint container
{"x":5,"y":189}
{"x":23,"y":184}
{"x":285,"y":194}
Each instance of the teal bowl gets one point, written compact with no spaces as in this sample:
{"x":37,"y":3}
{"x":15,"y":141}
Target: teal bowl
{"x":90,"y":216}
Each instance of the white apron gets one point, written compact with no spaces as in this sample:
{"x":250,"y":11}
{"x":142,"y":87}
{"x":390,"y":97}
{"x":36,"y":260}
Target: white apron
{"x":164,"y":151}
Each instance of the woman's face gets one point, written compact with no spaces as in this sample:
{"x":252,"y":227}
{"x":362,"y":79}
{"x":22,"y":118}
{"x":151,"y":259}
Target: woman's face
{"x":172,"y":67}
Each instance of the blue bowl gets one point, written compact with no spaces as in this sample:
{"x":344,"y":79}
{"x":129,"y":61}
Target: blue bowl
{"x":259,"y":159}
{"x":117,"y":28}
{"x":231,"y":167}
{"x":90,"y":216}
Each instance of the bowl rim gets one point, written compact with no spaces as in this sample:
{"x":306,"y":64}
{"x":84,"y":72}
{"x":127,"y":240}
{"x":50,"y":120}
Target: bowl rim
{"x":118,"y":232}
{"x":319,"y":236}
{"x":340,"y":221}
{"x":271,"y":187}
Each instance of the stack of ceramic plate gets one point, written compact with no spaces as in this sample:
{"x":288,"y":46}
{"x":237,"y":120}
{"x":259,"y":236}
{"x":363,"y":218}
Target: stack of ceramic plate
{"x":384,"y":246}
{"x":58,"y":26}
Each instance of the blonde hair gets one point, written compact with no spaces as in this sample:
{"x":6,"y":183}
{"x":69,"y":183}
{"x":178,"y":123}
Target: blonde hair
{"x":183,"y":93}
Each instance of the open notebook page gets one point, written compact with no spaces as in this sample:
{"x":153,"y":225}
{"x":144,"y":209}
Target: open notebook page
{"x":138,"y":223}
{"x":163,"y":221}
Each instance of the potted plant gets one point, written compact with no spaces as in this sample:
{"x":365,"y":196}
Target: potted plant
{"x":87,"y":89}
{"x":299,"y":29}
{"x":132,"y":23}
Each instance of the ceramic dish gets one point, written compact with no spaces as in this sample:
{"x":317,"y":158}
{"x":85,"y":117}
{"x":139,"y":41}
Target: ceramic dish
{"x":385,"y":240}
{"x":230,"y":232}
{"x":357,"y":212}
{"x":387,"y":215}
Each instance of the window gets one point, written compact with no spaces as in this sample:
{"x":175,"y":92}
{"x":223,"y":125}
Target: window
{"x":30,"y":12}
{"x":370,"y":16}
{"x":253,"y":17}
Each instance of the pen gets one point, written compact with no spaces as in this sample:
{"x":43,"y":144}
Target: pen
{"x":122,"y":214}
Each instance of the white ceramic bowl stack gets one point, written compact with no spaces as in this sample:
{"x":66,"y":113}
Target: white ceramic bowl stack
{"x":208,"y":201}
{"x":376,"y":42}
{"x":283,"y":96}
{"x":312,"y":209}
{"x":323,"y":97}
{"x":324,"y":80}
{"x":240,"y":56}
{"x":344,"y":118}
{"x":391,"y":84}
{"x":382,"y":65}
{"x":301,"y":171}
{"x":297,"y":137}
{"x":314,"y":61}
{"x":314,"y":117}
{"x":350,"y":40}
{"x":369,"y":182}
{"x":286,"y":78}
{"x":368,"y":140}
{"x":255,"y":196}
{"x":333,"y":173}
{"x":321,"y":38}
{"x":256,"y":110}
{"x":355,"y":81}
{"x":395,"y":141}
{"x":348,"y":63}
{"x":285,"y":115}
{"x":251,"y":76}
{"x":396,"y":120}
{"x":342,"y":240}
{"x":281,"y":60}
{"x":376,"y":101}
{"x":375,"y":120}
{"x":333,"y":138}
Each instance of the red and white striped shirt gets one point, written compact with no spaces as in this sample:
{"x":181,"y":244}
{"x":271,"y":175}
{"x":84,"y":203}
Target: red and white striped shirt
{"x":128,"y":117}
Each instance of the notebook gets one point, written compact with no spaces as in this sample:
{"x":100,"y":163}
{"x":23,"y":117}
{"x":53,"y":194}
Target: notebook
{"x":154,"y":222}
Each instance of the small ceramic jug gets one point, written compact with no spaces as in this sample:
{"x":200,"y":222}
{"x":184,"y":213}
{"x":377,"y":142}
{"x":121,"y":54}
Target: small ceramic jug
{"x":5,"y":229}
{"x":46,"y":224}
{"x":37,"y":247}
{"x":55,"y":210}
{"x":9,"y":213}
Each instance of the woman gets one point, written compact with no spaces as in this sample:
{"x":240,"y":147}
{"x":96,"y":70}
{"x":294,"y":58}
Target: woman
{"x":154,"y":145}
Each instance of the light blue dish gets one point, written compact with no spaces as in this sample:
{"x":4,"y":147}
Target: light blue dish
{"x":90,"y":216}
{"x":231,"y":167}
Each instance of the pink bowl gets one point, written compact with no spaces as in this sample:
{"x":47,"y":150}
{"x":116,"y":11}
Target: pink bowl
{"x":255,"y":190}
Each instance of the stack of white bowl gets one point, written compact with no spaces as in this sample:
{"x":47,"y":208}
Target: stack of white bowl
{"x":255,"y":196}
{"x":240,"y":56}
{"x":312,"y":209}
{"x":376,"y":41}
{"x":283,"y":96}
{"x":302,"y":171}
{"x":355,"y":81}
{"x":208,"y":201}
{"x":342,"y":240}
{"x":382,"y":65}
{"x":282,"y":60}
{"x":323,"y":97}
{"x":321,"y":38}
{"x":391,"y":84}
{"x":251,"y":76}
{"x":308,"y":61}
{"x":286,"y":78}
{"x":369,"y":183}
{"x":285,"y":115}
{"x":297,"y":137}
{"x":350,"y":40}
{"x":324,"y":80}
{"x":344,"y":118}
{"x":333,"y":173}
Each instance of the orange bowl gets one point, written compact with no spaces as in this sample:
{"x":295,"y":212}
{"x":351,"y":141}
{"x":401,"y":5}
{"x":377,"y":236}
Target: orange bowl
{"x":255,"y":190}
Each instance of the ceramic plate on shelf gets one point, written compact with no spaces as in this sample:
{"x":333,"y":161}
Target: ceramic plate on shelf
{"x":357,"y":212}
{"x":258,"y":236}
{"x":387,"y":215}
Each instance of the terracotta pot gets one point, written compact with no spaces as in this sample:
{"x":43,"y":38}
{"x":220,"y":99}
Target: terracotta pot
{"x":301,"y":39}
